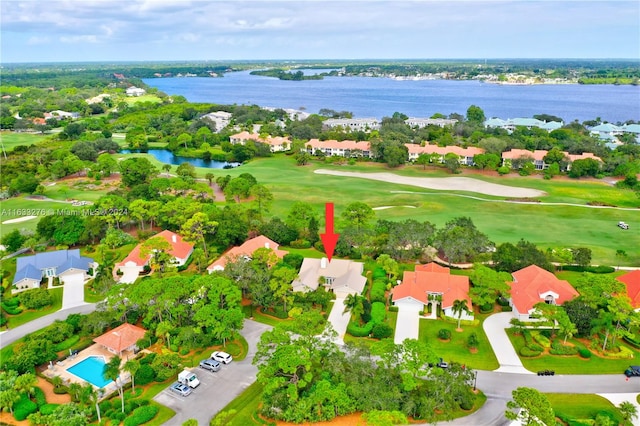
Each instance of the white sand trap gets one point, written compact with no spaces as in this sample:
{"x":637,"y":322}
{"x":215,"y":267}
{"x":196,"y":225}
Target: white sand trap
{"x":391,"y":207}
{"x":444,"y":184}
{"x":19,"y":219}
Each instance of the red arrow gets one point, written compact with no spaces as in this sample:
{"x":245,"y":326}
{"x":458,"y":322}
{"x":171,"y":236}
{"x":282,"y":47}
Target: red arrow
{"x":329,"y":239}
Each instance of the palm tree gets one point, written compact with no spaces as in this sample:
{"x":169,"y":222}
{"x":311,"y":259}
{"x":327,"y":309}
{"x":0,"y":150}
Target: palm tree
{"x":75,"y":390}
{"x":353,"y":303}
{"x":459,"y":306}
{"x":26,"y":383}
{"x":628,"y":411}
{"x":8,"y":398}
{"x":132,"y":366}
{"x":112,"y":371}
{"x":209,"y":177}
{"x":166,"y":168}
{"x":90,"y":395}
{"x":163,"y":330}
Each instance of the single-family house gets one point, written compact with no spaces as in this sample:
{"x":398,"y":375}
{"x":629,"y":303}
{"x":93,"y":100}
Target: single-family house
{"x":67,"y":265}
{"x":633,"y":129}
{"x":352,"y":124}
{"x":276,"y":144}
{"x":122,"y":338}
{"x":339,"y":148}
{"x":512,"y":123}
{"x":221,"y":119}
{"x":340,"y":276}
{"x":246,"y":250}
{"x":432,"y":284}
{"x":605,"y":129}
{"x":631,"y":280}
{"x":537,"y":157}
{"x":532,"y":285}
{"x":135,"y":91}
{"x":135,"y":262}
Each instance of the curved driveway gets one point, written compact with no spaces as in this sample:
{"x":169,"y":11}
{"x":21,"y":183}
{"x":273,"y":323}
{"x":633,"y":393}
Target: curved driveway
{"x":494,"y":326}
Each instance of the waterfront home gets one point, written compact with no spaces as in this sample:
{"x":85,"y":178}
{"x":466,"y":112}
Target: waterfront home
{"x":424,"y":122}
{"x":246,"y":251}
{"x":135,"y":91}
{"x":512,"y":123}
{"x":340,"y":276}
{"x":352,"y":124}
{"x":276,"y":144}
{"x":532,"y":285}
{"x":537,"y":157}
{"x":66,"y":265}
{"x":432,"y":284}
{"x":134,"y":263}
{"x":220,"y":119}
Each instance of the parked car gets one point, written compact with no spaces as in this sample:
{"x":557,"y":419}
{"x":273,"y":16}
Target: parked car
{"x":442,"y":364}
{"x":210,"y":364}
{"x":632,"y":371}
{"x":180,"y":389}
{"x":546,"y":373}
{"x":222,"y":357}
{"x":623,"y":225}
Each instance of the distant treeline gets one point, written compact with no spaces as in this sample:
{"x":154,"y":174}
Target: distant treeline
{"x":288,"y":75}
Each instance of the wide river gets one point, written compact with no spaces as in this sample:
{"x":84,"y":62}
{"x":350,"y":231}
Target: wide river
{"x":380,"y":97}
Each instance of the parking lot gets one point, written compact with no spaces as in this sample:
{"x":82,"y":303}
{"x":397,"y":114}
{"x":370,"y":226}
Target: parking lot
{"x":217,"y":389}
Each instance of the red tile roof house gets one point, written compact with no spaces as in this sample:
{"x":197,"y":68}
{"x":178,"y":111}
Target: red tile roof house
{"x":465,"y":155}
{"x":339,"y":148}
{"x":432,"y":280}
{"x":134,"y":263}
{"x":632,"y":281}
{"x":276,"y":144}
{"x":246,"y":250}
{"x":122,"y":338}
{"x":533,"y":285}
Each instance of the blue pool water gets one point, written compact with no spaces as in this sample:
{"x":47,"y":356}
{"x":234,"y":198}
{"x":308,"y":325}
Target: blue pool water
{"x":91,"y":370}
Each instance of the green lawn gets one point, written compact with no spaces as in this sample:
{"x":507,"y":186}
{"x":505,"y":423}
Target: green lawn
{"x":456,"y":349}
{"x":581,"y":406}
{"x":241,"y":411}
{"x":26,"y":316}
{"x":573,"y":364}
{"x":10,"y":139}
{"x":131,"y":100}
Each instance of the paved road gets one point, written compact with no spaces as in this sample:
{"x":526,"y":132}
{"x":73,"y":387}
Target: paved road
{"x":10,"y":336}
{"x":216,"y":389}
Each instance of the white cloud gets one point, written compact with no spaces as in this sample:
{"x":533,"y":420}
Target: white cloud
{"x":79,"y":39}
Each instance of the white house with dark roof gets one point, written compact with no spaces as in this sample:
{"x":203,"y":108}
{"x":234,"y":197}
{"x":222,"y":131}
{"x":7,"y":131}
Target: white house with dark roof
{"x":354,"y":124}
{"x":340,"y":276}
{"x":424,"y":122}
{"x":67,"y":265}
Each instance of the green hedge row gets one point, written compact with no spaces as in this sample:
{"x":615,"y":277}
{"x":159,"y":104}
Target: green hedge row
{"x":11,"y":310}
{"x":528,"y":352}
{"x":602,"y":269}
{"x":558,"y":348}
{"x":141,"y":415}
{"x":67,"y":343}
{"x":357,"y":331}
{"x":24,"y":407}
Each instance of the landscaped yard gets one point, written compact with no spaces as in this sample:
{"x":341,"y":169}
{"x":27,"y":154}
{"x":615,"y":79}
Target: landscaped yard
{"x":576,"y":407}
{"x":30,"y":315}
{"x":455,"y":350}
{"x":12,"y":139}
{"x":573,"y":364}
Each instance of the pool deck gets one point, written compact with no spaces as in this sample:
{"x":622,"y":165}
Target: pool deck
{"x":60,"y":368}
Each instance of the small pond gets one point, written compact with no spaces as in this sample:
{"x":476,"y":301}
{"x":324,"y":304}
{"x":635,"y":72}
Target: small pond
{"x":168,"y":157}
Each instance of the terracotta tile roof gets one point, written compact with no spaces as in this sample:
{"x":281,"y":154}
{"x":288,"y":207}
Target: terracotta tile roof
{"x":444,"y":150}
{"x":583,"y":156}
{"x":180,"y":249}
{"x":121,"y":337}
{"x":517,"y":153}
{"x":247,"y":249}
{"x":433,"y":278}
{"x":531,"y":283}
{"x":632,"y":281}
{"x":334,"y":144}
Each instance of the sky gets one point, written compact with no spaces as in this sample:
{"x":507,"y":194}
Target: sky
{"x":167,"y":30}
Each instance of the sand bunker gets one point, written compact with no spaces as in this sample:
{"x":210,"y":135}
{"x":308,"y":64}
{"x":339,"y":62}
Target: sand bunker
{"x":19,"y":219}
{"x":444,"y":184}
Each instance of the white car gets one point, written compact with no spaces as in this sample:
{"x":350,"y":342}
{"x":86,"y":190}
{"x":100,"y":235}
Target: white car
{"x":623,"y":225}
{"x":222,"y":357}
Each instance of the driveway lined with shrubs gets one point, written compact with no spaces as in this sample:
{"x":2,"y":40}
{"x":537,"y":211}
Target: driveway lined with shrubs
{"x":494,"y":326}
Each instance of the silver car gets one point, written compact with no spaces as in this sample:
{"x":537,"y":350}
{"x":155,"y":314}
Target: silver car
{"x":210,"y":364}
{"x":180,"y":389}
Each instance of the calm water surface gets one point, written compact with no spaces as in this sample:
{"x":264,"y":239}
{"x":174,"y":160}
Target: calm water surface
{"x":380,"y":97}
{"x":167,"y":157}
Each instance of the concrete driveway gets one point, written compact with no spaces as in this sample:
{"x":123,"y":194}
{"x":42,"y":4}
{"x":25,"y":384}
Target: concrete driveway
{"x":494,"y":326}
{"x":339,"y":320}
{"x":218,"y":389}
{"x":129,"y":275}
{"x":407,"y":324}
{"x":73,"y":291}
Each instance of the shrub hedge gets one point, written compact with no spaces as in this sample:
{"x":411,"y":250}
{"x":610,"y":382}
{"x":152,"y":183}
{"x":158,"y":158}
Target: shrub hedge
{"x":444,"y":334}
{"x":378,"y":273}
{"x":47,"y":409}
{"x":528,"y":352}
{"x":377,"y":291}
{"x":38,"y":395}
{"x":541,"y":339}
{"x":11,"y":310}
{"x":378,"y":312}
{"x":145,"y":375}
{"x":357,"y":331}
{"x":557,"y":348}
{"x":602,"y":269}
{"x":23,"y":408}
{"x":584,"y":353}
{"x":381,"y":331}
{"x":67,"y":343}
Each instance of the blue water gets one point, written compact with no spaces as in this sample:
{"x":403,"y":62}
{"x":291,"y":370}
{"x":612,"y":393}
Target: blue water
{"x":380,"y":97}
{"x":167,"y":157}
{"x":91,"y":370}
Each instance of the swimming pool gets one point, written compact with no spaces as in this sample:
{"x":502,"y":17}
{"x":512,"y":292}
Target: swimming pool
{"x":90,"y":370}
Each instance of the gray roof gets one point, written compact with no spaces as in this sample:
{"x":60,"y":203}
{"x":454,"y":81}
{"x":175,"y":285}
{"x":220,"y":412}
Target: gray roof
{"x":345,"y":274}
{"x":61,"y":260}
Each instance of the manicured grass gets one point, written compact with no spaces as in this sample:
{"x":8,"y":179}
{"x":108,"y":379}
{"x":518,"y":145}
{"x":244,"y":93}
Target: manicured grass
{"x":260,"y":317}
{"x":144,"y":98}
{"x":241,"y":411}
{"x":573,"y":276}
{"x":26,"y":316}
{"x":164,"y":414}
{"x":581,"y":406}
{"x":310,"y":252}
{"x":12,"y":139}
{"x":573,"y":364}
{"x":456,"y":349}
